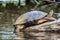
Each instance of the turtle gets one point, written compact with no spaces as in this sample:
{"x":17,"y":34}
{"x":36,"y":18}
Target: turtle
{"x":30,"y":19}
{"x":30,"y":16}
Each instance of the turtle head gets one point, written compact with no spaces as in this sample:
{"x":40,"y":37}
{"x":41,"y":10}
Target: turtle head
{"x":50,"y":16}
{"x":50,"y":13}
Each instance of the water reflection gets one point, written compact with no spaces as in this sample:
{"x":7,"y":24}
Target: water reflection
{"x":39,"y":36}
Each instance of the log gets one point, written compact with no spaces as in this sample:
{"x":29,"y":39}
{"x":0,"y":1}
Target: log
{"x":54,"y":25}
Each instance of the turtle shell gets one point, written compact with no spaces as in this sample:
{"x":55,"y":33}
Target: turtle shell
{"x":30,"y":16}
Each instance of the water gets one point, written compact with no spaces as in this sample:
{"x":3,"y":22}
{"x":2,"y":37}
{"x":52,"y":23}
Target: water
{"x":40,"y":36}
{"x":31,"y":36}
{"x":7,"y":33}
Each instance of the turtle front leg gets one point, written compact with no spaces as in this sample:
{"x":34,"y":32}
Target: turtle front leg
{"x":41,"y":21}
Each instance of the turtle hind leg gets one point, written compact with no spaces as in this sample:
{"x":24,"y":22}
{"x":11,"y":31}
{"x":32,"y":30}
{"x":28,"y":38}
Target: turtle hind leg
{"x":14,"y":29}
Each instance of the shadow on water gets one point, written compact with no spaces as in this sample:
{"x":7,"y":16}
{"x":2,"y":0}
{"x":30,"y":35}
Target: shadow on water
{"x":39,"y":36}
